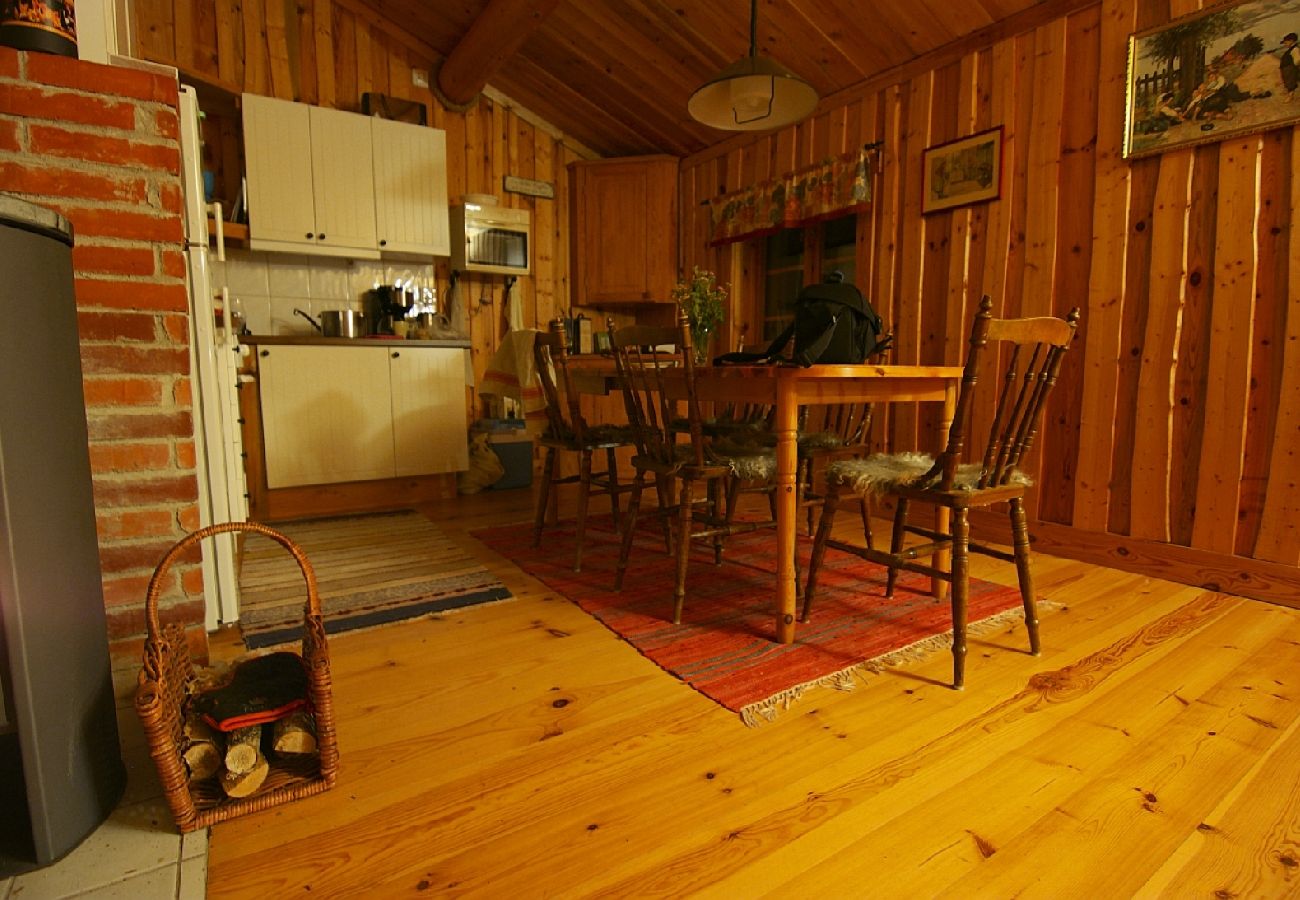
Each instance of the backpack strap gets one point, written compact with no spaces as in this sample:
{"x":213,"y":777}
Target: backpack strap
{"x":771,"y":355}
{"x":813,"y":352}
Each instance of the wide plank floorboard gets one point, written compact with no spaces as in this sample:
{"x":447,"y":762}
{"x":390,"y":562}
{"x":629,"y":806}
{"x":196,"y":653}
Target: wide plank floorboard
{"x":521,"y":750}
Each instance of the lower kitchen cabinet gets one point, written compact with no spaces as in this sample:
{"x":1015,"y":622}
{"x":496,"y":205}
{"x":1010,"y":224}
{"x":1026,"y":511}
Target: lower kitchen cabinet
{"x":338,"y":414}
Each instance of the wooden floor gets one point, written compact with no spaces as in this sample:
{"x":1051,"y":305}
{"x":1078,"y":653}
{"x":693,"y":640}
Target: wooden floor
{"x":520,"y":750}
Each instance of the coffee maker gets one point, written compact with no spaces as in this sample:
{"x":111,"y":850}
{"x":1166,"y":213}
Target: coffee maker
{"x":386,"y":304}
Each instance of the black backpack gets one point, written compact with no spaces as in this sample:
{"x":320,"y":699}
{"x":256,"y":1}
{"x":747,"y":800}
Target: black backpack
{"x":833,"y":323}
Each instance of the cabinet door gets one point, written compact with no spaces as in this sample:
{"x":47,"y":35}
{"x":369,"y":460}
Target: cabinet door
{"x":410,"y":189}
{"x":625,"y":230}
{"x":325,"y":414}
{"x":429,"y":433}
{"x":342,"y":166}
{"x":277,"y":154}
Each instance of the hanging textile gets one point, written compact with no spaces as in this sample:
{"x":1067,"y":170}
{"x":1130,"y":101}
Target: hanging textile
{"x":835,"y":187}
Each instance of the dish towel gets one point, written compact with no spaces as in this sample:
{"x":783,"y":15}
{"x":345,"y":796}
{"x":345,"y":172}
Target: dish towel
{"x":511,"y":374}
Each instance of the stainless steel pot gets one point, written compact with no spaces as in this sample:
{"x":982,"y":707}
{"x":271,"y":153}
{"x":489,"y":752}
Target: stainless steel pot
{"x":346,"y":323}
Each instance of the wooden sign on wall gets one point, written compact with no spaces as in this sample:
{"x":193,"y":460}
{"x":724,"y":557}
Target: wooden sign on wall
{"x":517,"y":185}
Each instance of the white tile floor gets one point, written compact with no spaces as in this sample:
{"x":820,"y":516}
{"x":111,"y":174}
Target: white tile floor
{"x":137,"y":854}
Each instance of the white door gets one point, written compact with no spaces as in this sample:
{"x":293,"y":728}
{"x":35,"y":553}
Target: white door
{"x":428,"y":386}
{"x":277,"y":156}
{"x":325,"y":414}
{"x":342,"y":167}
{"x":410,"y":188}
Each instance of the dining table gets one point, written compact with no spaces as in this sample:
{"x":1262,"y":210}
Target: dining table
{"x":787,"y":388}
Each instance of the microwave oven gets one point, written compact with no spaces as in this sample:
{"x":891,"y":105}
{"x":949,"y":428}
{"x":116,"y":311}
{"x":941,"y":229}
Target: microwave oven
{"x":491,"y":239}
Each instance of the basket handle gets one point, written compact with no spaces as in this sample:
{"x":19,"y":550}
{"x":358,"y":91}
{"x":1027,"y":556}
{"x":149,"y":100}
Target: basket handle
{"x":155,"y":583}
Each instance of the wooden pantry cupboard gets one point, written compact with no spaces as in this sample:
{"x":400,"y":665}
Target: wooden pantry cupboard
{"x":624,"y":241}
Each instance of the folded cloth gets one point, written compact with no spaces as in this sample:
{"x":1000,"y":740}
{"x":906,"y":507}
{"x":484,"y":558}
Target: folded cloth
{"x":511,"y":373}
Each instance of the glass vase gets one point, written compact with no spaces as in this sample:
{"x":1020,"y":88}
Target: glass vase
{"x":700,"y":340}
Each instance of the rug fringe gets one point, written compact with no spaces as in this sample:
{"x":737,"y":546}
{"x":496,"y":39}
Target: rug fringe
{"x":846,"y":679}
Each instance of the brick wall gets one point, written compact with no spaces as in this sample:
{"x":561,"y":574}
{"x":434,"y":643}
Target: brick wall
{"x":100,"y":145}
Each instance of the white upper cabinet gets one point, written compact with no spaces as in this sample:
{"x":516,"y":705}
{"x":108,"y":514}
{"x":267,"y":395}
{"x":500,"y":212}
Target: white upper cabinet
{"x":341,"y":164}
{"x":335,"y":183}
{"x":410,"y":189}
{"x":277,"y":156}
{"x":310,"y":188}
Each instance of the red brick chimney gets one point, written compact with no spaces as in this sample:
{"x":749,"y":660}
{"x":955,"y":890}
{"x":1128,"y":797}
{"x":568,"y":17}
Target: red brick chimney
{"x":100,"y":145}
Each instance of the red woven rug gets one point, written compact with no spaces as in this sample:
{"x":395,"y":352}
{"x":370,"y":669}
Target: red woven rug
{"x":724,"y":647}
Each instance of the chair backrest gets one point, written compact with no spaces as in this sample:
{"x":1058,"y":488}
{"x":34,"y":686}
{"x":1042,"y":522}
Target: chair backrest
{"x":643,"y":355}
{"x":551,"y":360}
{"x":1034,"y":347}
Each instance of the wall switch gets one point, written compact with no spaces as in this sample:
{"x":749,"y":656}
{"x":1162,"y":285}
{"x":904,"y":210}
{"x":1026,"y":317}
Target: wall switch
{"x":419,"y":78}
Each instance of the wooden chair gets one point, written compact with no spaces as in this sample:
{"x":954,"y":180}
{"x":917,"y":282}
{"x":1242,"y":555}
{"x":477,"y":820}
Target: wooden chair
{"x":568,"y":431}
{"x":827,"y":434}
{"x":642,"y":356}
{"x":1032,"y":349}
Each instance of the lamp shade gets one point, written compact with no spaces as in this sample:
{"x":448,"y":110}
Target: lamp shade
{"x":752,"y":94}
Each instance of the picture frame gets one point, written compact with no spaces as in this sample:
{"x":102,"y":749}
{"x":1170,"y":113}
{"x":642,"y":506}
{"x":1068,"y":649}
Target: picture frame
{"x":1230,"y":70}
{"x":967,"y":170}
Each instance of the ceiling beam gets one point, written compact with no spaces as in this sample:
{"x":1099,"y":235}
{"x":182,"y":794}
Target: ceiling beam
{"x":496,"y":34}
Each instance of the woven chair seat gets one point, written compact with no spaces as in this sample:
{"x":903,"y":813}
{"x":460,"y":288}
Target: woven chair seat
{"x":885,"y":472}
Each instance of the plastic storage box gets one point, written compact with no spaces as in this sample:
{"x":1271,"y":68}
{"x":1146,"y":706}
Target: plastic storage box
{"x":513,"y":447}
{"x":515,"y":450}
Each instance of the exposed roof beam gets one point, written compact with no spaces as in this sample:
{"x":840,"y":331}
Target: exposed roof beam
{"x":498,"y":32}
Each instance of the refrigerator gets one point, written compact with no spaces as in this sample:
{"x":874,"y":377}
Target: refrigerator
{"x":215,"y":360}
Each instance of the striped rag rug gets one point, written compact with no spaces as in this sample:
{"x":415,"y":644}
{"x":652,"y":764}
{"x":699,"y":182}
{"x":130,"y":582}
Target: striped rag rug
{"x":370,"y":570}
{"x":725,"y":646}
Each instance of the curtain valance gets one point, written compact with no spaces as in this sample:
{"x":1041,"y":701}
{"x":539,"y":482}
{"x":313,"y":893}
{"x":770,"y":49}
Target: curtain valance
{"x":834,"y":187}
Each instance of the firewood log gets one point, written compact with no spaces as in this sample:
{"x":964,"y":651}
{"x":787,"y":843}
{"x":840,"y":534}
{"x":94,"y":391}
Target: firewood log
{"x":243,"y":749}
{"x":294,"y":735}
{"x":202,"y":753}
{"x":242,"y":784}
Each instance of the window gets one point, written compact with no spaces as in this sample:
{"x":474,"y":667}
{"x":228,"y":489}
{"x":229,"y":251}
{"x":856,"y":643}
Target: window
{"x":794,"y":257}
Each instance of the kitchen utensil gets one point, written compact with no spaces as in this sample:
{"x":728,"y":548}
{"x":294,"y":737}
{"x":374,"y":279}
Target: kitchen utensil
{"x":346,"y":323}
{"x":314,"y":323}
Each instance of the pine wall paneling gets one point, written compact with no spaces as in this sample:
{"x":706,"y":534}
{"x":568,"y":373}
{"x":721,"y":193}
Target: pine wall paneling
{"x":1172,"y":441}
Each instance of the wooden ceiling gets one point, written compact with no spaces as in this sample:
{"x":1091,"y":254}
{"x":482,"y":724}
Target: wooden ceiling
{"x":616,"y":74}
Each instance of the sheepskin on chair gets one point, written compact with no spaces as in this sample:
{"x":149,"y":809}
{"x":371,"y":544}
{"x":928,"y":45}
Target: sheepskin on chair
{"x":882,"y":473}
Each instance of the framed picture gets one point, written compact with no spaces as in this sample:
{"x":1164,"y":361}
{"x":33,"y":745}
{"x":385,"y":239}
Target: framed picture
{"x":967,"y":170}
{"x":1230,"y":70}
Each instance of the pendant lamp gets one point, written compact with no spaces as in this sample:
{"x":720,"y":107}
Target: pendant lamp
{"x":752,"y":94}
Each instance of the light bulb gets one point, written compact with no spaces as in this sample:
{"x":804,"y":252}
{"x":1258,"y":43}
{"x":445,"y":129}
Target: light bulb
{"x":751,"y":98}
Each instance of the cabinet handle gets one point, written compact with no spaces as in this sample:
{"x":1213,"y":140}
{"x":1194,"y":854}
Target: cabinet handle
{"x":321,"y":236}
{"x":310,"y":236}
{"x":383,"y":243}
{"x":396,"y":354}
{"x":266,"y":353}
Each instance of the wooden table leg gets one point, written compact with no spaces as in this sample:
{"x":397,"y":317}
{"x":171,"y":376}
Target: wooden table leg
{"x":942,"y":516}
{"x":786,"y":426}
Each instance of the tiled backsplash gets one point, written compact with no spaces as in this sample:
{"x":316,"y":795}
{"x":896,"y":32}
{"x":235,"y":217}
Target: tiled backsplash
{"x":270,"y":286}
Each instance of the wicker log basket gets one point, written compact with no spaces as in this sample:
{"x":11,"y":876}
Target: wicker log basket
{"x":169,"y":681}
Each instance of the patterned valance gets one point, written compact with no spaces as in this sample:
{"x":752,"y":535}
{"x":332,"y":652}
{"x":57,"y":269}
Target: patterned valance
{"x":834,"y":187}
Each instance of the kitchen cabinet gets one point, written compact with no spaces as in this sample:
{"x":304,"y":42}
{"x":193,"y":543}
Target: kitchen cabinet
{"x":410,"y":169}
{"x":334,"y":414}
{"x":624,"y":221}
{"x":310,"y":179}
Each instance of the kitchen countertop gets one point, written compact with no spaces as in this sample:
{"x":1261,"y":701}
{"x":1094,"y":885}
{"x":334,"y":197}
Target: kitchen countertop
{"x":307,"y":340}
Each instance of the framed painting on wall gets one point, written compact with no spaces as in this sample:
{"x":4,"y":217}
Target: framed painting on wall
{"x":967,"y":170}
{"x":1230,"y":70}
